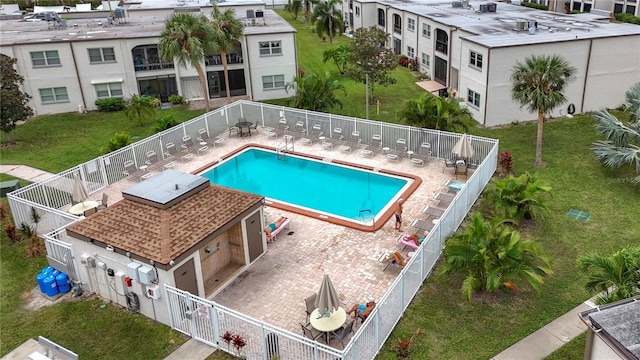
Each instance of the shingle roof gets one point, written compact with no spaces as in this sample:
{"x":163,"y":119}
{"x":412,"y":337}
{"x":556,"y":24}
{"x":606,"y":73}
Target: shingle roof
{"x":164,"y":235}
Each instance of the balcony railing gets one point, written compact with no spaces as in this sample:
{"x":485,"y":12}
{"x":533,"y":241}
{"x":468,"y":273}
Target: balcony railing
{"x":143,"y":65}
{"x":212,"y":60}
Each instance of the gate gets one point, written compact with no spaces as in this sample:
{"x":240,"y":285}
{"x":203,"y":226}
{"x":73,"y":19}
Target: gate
{"x":192,"y":316}
{"x":61,"y":254}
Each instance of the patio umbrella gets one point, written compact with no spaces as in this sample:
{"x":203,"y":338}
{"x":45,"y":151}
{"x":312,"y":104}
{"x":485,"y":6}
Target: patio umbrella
{"x":79,"y":193}
{"x":327,"y":300}
{"x":463,"y":148}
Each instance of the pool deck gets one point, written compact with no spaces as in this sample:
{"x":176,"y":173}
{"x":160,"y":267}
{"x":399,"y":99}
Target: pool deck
{"x":273,"y":289}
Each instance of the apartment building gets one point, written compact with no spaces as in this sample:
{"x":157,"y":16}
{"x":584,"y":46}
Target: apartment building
{"x":471,"y":47}
{"x":69,"y":63}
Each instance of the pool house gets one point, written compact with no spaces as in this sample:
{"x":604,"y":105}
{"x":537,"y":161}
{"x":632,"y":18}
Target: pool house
{"x":263,"y":299}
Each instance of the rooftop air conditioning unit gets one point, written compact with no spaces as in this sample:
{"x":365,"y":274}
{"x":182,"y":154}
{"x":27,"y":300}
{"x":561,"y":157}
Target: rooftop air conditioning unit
{"x":259,"y":13}
{"x":251,"y":14}
{"x":522,"y":25}
{"x":483,"y":8}
{"x":491,"y":7}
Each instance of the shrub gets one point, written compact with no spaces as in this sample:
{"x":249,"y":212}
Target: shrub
{"x":110,"y":104}
{"x":155,"y":102}
{"x":534,"y":6}
{"x":119,"y":140}
{"x":506,"y":163}
{"x":403,"y":60}
{"x":628,"y":18}
{"x":10,"y":230}
{"x":518,"y":198}
{"x":164,"y":123}
{"x":176,"y":99}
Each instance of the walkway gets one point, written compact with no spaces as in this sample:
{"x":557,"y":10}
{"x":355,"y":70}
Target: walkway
{"x":25,"y":172}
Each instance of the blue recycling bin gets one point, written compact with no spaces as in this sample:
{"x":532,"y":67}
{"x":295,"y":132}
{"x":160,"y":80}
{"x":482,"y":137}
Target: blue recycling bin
{"x":50,"y":286}
{"x":62,"y":280}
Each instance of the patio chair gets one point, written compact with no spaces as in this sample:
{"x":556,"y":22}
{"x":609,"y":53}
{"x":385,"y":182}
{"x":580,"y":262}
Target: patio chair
{"x":334,"y":140}
{"x":233,"y":130}
{"x":432,"y":211}
{"x":279,"y":130}
{"x":443,"y":199}
{"x":187,"y":144}
{"x":170,"y":151}
{"x":310,"y":303}
{"x":374,"y":146}
{"x":354,"y":142}
{"x":298,"y":130}
{"x":152,"y":159}
{"x":448,"y":163}
{"x":316,"y":132}
{"x":341,"y":333}
{"x":422,"y":156}
{"x":399,"y":151}
{"x":203,"y":136}
{"x":90,"y":212}
{"x":460,"y":168}
{"x":310,"y":332}
{"x":103,"y":204}
{"x":405,"y":241}
{"x":132,"y":171}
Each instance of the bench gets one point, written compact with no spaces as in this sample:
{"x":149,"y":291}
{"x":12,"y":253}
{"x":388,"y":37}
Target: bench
{"x":8,"y":186}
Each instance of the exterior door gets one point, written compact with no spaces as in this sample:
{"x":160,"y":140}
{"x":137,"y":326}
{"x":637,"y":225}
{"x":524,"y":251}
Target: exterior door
{"x":185,"y":277}
{"x":440,"y":73}
{"x":254,"y":236}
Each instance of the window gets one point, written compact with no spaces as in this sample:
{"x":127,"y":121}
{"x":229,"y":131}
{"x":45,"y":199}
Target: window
{"x":442,"y":41}
{"x":101,"y":55}
{"x":425,"y":60}
{"x":475,"y":59}
{"x":397,"y":24}
{"x":426,"y":30}
{"x":53,"y":95}
{"x":381,"y":17}
{"x":270,"y":48}
{"x":411,"y":25}
{"x":273,"y":82}
{"x":357,"y":10}
{"x":45,"y":58}
{"x":108,"y":90}
{"x":410,"y":52}
{"x":473,"y":98}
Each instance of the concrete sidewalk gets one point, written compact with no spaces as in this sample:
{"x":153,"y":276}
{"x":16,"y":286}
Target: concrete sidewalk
{"x":191,"y":350}
{"x":25,"y":172}
{"x":549,"y":338}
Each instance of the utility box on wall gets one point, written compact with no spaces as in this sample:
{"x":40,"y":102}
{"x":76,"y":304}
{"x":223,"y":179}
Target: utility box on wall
{"x":146,"y":275}
{"x":132,"y":270}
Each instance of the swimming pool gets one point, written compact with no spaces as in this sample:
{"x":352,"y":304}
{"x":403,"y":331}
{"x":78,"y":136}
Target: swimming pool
{"x":321,"y":187}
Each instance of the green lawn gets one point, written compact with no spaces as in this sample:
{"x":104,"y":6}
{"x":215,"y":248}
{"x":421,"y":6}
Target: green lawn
{"x":453,"y":328}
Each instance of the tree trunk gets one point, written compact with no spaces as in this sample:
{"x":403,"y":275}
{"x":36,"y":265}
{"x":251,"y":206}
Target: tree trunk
{"x":226,"y":75}
{"x":9,"y":137}
{"x":330,"y":31}
{"x":539,"y":139}
{"x":205,"y":89}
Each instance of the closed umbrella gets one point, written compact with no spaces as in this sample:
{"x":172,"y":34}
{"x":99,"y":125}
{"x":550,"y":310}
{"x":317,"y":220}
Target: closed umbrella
{"x":327,"y":300}
{"x":463,"y":148}
{"x":79,"y":193}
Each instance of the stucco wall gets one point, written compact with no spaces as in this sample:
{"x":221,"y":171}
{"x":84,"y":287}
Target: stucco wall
{"x":267,"y":65}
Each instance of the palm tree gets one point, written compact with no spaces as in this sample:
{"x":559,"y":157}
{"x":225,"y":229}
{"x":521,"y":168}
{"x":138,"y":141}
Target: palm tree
{"x":139,"y":108}
{"x":315,"y":92}
{"x":339,"y":56}
{"x":622,"y":144}
{"x":433,"y":112}
{"x":493,"y":256}
{"x":186,"y":38}
{"x":328,"y":19}
{"x":294,"y":8}
{"x":616,"y":276}
{"x":519,"y":197}
{"x":632,"y":102}
{"x":227,"y":31}
{"x":538,"y":85}
{"x":307,"y":10}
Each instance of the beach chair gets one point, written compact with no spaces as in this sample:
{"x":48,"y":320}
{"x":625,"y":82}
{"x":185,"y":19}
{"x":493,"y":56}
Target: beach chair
{"x":152,"y":159}
{"x":298,"y":130}
{"x":354,"y":142}
{"x":422,"y":156}
{"x":374,"y":146}
{"x":279,"y":130}
{"x":274,"y":233}
{"x":399,"y":151}
{"x":335,"y":140}
{"x":170,"y":151}
{"x":448,"y":163}
{"x":315,"y":134}
{"x":404,"y":241}
{"x":203,"y":136}
{"x":132,"y":171}
{"x":187,"y":144}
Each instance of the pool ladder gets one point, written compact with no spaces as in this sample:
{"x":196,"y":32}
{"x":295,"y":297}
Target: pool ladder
{"x":285,"y":145}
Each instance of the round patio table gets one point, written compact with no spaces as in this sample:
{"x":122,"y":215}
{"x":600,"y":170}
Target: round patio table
{"x":328,"y":324}
{"x":244,"y":125}
{"x":80,"y":208}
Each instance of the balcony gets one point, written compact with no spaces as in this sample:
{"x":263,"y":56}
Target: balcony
{"x":149,"y":65}
{"x":213,"y":60}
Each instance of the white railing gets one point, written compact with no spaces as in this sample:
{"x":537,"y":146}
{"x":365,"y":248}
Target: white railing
{"x":61,"y":252}
{"x":205,"y":320}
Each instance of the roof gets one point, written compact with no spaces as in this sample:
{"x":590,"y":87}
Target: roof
{"x":618,"y":324}
{"x":136,"y":25}
{"x":496,"y":29}
{"x":163,"y":235}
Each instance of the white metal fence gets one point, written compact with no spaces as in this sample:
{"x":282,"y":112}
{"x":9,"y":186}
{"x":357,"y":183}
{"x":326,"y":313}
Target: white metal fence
{"x":205,"y":320}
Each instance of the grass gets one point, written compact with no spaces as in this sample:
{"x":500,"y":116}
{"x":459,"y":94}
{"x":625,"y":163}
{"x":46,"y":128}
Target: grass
{"x":57,"y":142}
{"x":453,"y":328}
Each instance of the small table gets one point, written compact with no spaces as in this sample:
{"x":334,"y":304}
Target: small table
{"x":144,"y":168}
{"x":455,"y":186}
{"x":244,"y":125}
{"x":321,"y":138}
{"x":385,"y":150}
{"x":80,"y":208}
{"x":410,"y":153}
{"x":328,"y":324}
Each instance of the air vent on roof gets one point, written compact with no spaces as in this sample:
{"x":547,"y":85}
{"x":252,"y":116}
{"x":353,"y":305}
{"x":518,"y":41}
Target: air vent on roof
{"x":250,"y":14}
{"x":259,"y":13}
{"x":483,"y":8}
{"x":521,"y":25}
{"x":491,"y":7}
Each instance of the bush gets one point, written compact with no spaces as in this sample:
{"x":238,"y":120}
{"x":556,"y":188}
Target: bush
{"x":110,"y":104}
{"x":119,"y":140}
{"x":534,"y":6}
{"x":403,"y":60}
{"x":176,"y":99}
{"x":155,"y":102}
{"x":164,"y":123}
{"x":628,"y":18}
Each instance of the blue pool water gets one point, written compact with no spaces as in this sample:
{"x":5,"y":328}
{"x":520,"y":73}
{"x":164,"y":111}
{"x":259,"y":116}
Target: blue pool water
{"x":321,"y":186}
